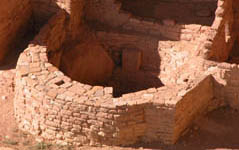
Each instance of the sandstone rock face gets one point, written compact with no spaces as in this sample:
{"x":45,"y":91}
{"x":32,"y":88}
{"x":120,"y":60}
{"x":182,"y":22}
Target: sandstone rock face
{"x":44,"y":9}
{"x":223,"y":35}
{"x":76,"y":25}
{"x":14,"y":18}
{"x":131,"y":60}
{"x":87,"y":62}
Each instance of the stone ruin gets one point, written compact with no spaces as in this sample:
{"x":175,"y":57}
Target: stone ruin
{"x":117,"y":72}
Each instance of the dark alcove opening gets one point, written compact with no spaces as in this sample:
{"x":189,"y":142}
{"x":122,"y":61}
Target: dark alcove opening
{"x":234,"y":54}
{"x":121,"y":68}
{"x":184,"y":12}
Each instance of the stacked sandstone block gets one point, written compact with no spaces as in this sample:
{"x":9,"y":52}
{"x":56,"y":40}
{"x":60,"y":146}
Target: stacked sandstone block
{"x":51,"y":106}
{"x":111,"y":14}
{"x":207,"y":38}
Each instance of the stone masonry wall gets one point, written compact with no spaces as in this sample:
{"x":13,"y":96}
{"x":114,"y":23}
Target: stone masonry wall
{"x":14,"y":18}
{"x":51,"y":106}
{"x":213,"y":42}
{"x":199,"y":40}
{"x":194,"y":103}
{"x":109,"y":12}
{"x":147,"y":45}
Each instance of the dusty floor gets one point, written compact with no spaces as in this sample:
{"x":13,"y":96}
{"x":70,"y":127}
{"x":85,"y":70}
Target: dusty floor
{"x":217,"y":131}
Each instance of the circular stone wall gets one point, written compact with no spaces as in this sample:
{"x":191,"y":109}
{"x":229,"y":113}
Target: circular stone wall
{"x":51,"y":106}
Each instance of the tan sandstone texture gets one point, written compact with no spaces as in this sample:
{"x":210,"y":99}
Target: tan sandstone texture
{"x":118,"y":72}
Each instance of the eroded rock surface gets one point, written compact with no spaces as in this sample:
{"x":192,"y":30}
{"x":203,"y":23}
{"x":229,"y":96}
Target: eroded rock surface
{"x":15,"y":18}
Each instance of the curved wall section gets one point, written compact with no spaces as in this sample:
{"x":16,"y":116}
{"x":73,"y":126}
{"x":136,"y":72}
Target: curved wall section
{"x":51,"y":106}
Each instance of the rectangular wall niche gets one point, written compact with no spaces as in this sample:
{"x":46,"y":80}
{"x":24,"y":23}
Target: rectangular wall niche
{"x":131,"y":60}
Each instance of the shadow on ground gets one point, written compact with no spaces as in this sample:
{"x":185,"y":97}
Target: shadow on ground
{"x":216,"y":131}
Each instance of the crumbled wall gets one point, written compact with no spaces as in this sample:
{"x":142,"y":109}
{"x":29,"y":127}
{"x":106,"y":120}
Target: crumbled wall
{"x":14,"y":17}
